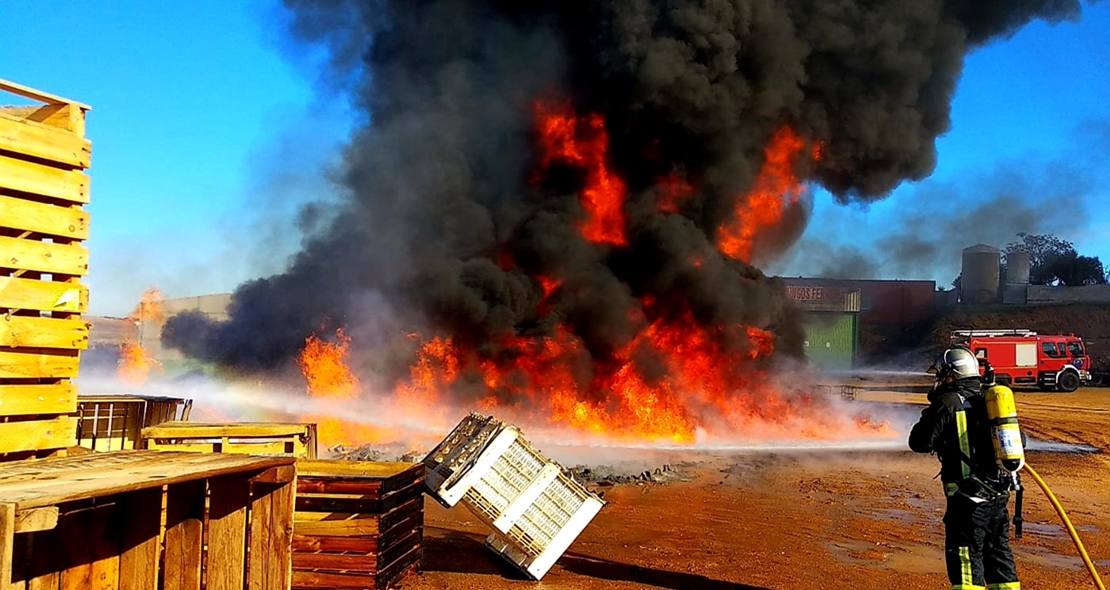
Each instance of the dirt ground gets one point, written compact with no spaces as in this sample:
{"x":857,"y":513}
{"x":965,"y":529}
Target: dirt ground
{"x":819,"y":520}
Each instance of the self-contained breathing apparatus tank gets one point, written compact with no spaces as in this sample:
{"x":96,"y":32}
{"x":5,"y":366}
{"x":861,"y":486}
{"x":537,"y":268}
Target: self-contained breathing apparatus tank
{"x":1009,"y":452}
{"x":1002,"y":413}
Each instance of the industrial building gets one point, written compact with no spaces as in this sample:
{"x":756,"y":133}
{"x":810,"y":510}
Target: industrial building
{"x":832,"y":323}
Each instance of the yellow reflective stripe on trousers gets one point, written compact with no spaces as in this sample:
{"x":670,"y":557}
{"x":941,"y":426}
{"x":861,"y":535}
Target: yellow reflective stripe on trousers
{"x":950,"y":489}
{"x":1005,"y":586}
{"x":961,"y":430}
{"x":965,"y":568}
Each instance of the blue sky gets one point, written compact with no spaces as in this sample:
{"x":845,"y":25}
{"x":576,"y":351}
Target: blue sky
{"x":204,"y":134}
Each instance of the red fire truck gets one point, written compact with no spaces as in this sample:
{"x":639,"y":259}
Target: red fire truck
{"x":1023,"y":357}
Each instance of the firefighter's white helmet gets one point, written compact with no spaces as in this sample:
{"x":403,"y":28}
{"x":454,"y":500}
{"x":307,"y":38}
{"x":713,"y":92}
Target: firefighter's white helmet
{"x":954,"y":364}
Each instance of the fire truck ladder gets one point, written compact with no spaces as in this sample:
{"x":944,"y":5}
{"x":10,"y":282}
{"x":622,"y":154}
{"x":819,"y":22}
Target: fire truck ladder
{"x":990,"y":333}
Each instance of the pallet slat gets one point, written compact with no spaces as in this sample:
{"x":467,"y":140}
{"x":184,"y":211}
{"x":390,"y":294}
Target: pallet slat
{"x":34,"y":435}
{"x":34,"y":365}
{"x":31,"y":138}
{"x":32,"y":332}
{"x":17,"y":293}
{"x":29,"y":400}
{"x":46,"y":181}
{"x":138,"y":562}
{"x":271,"y":539}
{"x":227,"y":531}
{"x":24,"y":215}
{"x":184,"y":535}
{"x":45,"y":257}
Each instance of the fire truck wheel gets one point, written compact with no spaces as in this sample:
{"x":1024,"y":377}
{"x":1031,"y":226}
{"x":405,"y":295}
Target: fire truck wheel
{"x":1068,"y":382}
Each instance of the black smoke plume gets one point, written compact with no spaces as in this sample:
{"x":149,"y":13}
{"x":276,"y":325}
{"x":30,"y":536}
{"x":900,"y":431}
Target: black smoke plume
{"x":437,"y":191}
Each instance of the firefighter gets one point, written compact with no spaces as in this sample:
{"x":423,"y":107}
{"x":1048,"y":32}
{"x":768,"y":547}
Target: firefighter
{"x":955,"y":426}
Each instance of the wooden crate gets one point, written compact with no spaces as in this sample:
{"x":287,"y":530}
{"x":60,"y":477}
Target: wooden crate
{"x":97,"y":522}
{"x":43,"y":189}
{"x":115,"y":422}
{"x":297,"y":440}
{"x":357,"y":524}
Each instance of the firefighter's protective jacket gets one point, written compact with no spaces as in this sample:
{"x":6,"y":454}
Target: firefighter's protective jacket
{"x":955,"y":426}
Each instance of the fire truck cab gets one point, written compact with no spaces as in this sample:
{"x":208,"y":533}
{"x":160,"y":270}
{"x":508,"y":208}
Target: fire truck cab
{"x":1023,"y":357}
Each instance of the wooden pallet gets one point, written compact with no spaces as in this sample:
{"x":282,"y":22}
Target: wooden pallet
{"x":115,"y":422}
{"x":297,"y":440}
{"x":96,"y":522}
{"x":43,"y":189}
{"x":357,"y":524}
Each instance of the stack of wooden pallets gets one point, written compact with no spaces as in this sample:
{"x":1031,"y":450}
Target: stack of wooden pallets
{"x":43,"y":188}
{"x":357,"y":524}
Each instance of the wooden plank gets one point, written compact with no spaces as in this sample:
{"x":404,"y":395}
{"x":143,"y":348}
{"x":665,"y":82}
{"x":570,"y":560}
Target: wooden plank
{"x":355,"y":469}
{"x":57,"y":398}
{"x":263,"y":448}
{"x":28,"y":92}
{"x":7,"y":544}
{"x":36,"y":519}
{"x":104,"y":536}
{"x":310,"y":579}
{"x":271,"y":537}
{"x":275,"y":475}
{"x":138,"y":562}
{"x":37,"y":435}
{"x":45,"y":257}
{"x":32,"y":138}
{"x":184,"y":535}
{"x":52,"y":481}
{"x":20,"y":293}
{"x":55,"y":116}
{"x":337,"y":528}
{"x":44,"y":570}
{"x":24,"y":215}
{"x":46,"y":181}
{"x":329,"y":485}
{"x":31,"y":365}
{"x":361,"y":564}
{"x":37,"y":332}
{"x":310,"y":543}
{"x":181,"y":430}
{"x":227,"y":531}
{"x":78,"y":551}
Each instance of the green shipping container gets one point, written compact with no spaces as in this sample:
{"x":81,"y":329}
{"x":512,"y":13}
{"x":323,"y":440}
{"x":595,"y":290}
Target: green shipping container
{"x":832,"y":340}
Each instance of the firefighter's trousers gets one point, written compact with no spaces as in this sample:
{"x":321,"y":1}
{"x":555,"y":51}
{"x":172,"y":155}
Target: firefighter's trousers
{"x":977,"y":544}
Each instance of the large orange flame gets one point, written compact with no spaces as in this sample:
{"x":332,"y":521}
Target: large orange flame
{"x":763,"y":207}
{"x":135,"y":364}
{"x":583,"y":142}
{"x":329,"y":377}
